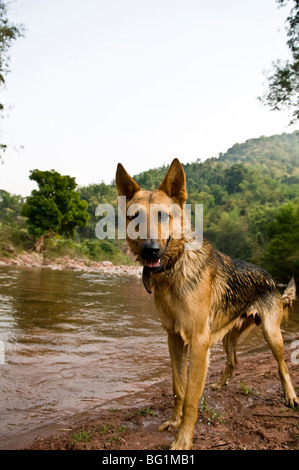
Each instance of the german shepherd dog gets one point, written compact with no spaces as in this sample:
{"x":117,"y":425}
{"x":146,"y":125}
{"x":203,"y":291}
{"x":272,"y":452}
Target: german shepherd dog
{"x":202,"y":296}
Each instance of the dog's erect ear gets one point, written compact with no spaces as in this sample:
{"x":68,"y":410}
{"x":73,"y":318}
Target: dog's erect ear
{"x":125,"y":185}
{"x":174,"y":183}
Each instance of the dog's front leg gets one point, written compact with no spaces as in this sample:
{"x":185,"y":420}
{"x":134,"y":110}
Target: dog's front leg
{"x":179,"y":360}
{"x":198,"y":364}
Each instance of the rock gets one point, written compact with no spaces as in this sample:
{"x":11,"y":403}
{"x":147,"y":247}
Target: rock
{"x":107,"y":264}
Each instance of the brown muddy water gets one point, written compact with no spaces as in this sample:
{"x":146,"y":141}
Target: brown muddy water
{"x":71,"y":341}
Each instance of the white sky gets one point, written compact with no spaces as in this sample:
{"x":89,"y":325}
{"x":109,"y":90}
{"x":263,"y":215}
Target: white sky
{"x":136,"y":81}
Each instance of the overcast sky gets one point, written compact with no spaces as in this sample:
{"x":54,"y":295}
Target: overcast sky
{"x":136,"y":81}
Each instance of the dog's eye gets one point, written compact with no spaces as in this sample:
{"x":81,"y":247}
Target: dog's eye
{"x":163,"y":217}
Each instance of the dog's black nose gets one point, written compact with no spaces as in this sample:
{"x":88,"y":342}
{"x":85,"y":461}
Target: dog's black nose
{"x":150,"y":250}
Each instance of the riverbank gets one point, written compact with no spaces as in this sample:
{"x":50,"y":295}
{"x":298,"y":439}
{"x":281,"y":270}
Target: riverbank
{"x":36,"y":260}
{"x":248,"y":415}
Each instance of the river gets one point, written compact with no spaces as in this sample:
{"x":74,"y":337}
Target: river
{"x":70,"y":341}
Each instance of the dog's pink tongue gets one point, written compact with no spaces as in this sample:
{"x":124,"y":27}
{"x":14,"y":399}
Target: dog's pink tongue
{"x":152,"y":264}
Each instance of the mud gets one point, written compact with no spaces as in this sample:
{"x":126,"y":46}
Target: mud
{"x":248,"y":414}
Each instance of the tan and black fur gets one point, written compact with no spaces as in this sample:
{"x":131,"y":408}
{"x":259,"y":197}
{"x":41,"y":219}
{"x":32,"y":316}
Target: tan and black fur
{"x":202,"y":296}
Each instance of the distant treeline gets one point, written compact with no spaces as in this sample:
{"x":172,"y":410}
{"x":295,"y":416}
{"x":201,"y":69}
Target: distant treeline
{"x":250,"y":196}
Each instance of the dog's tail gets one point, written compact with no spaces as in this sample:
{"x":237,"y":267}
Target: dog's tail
{"x":289,"y":295}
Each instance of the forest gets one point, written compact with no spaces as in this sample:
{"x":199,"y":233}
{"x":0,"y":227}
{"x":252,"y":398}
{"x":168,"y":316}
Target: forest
{"x":250,"y":197}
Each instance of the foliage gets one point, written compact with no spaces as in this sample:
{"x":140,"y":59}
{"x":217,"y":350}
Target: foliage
{"x":9,"y":32}
{"x":250,"y":196}
{"x":94,"y":195}
{"x":55,"y":207}
{"x":283,"y":91}
{"x":10,"y":206}
{"x":282,"y":252}
{"x":94,"y":250}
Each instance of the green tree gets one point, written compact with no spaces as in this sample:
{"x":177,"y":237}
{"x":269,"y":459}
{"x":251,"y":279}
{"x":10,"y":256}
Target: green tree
{"x":10,"y":206}
{"x":234,"y":176}
{"x":96,"y":194}
{"x":9,"y":32}
{"x":55,"y":208}
{"x":229,"y":234}
{"x":281,"y":255}
{"x":283,"y":91}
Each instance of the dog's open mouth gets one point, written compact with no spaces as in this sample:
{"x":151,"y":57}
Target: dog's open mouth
{"x":153,"y":264}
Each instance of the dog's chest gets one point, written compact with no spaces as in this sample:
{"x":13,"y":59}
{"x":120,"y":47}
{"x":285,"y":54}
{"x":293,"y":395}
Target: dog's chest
{"x":174,"y":310}
{"x":169,"y":311}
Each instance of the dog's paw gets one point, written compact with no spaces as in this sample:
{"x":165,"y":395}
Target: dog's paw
{"x":182,"y":442}
{"x":292,"y":402}
{"x":169,"y":425}
{"x":217,"y":386}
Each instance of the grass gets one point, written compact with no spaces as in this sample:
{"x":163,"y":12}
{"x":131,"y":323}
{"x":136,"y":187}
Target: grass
{"x":116,"y":436}
{"x":92,"y":250}
{"x":212,"y":414}
{"x":246,"y":390}
{"x":82,"y":436}
{"x":105,"y":429}
{"x":146,"y":412}
{"x":113,"y":410}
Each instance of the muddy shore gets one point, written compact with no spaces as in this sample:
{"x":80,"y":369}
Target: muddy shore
{"x":248,"y":415}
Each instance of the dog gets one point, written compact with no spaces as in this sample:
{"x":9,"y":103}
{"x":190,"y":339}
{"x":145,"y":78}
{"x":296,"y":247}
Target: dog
{"x":202,"y":295}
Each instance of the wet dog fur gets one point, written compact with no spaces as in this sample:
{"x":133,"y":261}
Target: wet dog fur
{"x":202,"y":296}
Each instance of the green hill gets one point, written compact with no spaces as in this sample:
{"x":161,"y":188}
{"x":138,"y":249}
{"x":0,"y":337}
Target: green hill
{"x":246,"y":192}
{"x":250,"y":196}
{"x":280,"y":150}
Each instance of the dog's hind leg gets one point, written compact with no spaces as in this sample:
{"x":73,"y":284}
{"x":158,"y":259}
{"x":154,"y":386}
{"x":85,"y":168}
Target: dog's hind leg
{"x":179,"y":361}
{"x":273,"y":336}
{"x":230,"y":342}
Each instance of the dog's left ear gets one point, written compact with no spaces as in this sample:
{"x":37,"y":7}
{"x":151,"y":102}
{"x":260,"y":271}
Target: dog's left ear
{"x":125,"y":185}
{"x":174,"y":183}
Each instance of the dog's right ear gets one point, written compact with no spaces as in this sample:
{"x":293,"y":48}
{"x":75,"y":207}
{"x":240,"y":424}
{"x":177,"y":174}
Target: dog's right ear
{"x":125,"y":185}
{"x":174,"y":183}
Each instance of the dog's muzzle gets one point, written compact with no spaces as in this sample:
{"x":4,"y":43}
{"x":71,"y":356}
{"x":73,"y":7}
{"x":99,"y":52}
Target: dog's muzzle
{"x":151,"y":253}
{"x":152,"y":256}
